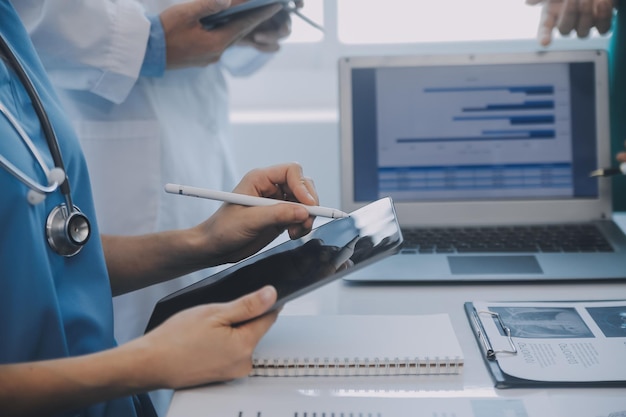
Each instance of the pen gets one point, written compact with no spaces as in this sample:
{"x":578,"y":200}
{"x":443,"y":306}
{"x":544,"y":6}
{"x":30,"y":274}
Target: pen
{"x":607,"y":172}
{"x":248,"y":200}
{"x":306,"y":19}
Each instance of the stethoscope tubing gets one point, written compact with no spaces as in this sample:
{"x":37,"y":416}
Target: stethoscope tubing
{"x":48,"y":130}
{"x":15,"y":171}
{"x":67,"y":228}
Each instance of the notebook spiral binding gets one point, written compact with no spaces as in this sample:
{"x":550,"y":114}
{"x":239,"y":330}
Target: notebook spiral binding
{"x":356,"y":366}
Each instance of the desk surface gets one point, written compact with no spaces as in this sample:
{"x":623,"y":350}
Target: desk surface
{"x":343,"y":298}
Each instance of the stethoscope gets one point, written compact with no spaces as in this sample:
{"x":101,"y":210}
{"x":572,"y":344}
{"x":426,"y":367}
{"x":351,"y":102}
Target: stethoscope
{"x":67,"y":228}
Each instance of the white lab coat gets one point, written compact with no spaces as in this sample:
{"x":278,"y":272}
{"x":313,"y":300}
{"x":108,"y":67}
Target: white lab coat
{"x":138,"y":133}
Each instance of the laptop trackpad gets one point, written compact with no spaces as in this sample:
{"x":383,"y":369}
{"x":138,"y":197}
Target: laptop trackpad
{"x":526,"y":264}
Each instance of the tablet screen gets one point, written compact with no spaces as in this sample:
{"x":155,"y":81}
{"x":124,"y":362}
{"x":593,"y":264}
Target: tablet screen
{"x":299,"y":266}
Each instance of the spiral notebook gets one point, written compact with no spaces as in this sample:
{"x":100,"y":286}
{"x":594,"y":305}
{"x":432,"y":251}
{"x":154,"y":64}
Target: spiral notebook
{"x":350,"y":345}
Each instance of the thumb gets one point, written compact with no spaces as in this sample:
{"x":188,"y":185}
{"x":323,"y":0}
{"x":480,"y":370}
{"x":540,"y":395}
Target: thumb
{"x":250,"y":306}
{"x":201,"y":8}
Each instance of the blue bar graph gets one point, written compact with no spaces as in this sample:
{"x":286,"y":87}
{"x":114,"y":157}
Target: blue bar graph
{"x":534,"y":119}
{"x":526,"y":105}
{"x":513,"y":120}
{"x":545,"y":133}
{"x":536,"y":134}
{"x":534,"y":90}
{"x":526,"y":89}
{"x":492,"y":113}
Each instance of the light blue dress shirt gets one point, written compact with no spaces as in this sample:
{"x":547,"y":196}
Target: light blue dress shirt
{"x":154,"y":61}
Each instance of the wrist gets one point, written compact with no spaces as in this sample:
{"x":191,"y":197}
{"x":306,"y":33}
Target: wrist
{"x":140,"y":369}
{"x":202,"y":248}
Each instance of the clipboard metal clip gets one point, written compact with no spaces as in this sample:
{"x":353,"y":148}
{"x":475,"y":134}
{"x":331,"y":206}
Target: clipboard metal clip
{"x":482,"y":335}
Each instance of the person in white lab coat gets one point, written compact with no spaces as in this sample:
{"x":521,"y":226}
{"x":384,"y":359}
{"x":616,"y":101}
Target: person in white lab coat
{"x":141,"y":124}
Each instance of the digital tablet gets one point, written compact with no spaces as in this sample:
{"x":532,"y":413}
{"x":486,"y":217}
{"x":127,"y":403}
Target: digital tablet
{"x":298,"y":266}
{"x":225,"y":16}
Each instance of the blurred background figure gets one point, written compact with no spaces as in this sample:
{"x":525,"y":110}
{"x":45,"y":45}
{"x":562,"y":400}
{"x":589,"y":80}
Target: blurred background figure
{"x":581,"y":17}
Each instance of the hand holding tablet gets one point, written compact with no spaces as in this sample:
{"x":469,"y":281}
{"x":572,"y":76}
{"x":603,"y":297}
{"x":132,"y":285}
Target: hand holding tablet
{"x":298,"y":266}
{"x":225,"y":16}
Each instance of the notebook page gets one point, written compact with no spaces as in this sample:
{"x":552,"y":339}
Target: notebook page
{"x":359,"y":344}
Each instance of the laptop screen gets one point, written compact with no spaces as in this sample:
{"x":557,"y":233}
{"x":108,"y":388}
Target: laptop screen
{"x":470,"y":141}
{"x":495,"y":131}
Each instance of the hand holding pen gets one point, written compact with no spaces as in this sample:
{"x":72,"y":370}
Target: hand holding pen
{"x":608,"y":172}
{"x":247,"y":200}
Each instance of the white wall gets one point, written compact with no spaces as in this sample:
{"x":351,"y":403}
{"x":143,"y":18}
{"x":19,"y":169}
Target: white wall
{"x":313,"y":144}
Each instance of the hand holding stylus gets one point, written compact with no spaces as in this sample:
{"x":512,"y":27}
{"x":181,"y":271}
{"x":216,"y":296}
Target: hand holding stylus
{"x":608,"y":172}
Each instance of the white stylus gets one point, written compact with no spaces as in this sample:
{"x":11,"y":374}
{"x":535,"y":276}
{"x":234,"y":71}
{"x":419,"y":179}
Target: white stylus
{"x":248,"y":200}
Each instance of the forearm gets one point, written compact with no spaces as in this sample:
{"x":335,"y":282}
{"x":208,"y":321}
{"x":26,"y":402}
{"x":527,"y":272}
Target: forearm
{"x":136,"y":262}
{"x":47,"y":387}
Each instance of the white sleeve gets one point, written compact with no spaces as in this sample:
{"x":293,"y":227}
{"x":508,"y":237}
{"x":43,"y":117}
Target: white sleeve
{"x":90,"y":45}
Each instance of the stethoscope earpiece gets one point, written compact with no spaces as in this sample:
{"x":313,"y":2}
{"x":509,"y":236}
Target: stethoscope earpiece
{"x":56,"y":177}
{"x":35,"y":197}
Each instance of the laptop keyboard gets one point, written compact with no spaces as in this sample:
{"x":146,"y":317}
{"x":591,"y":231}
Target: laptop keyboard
{"x":543,"y":238}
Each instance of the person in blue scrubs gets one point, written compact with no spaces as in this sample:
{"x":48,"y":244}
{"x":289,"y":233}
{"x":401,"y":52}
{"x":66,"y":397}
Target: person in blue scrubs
{"x":580,"y":16}
{"x":150,"y":86}
{"x":58,"y":355}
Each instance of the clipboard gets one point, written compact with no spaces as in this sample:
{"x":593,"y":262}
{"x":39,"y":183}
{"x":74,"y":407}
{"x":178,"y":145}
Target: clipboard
{"x":490,"y":356}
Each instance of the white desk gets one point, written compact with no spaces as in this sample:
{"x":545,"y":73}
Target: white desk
{"x":417,"y":392}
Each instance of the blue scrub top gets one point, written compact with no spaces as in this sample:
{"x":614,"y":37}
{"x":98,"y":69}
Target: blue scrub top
{"x":50,"y":306}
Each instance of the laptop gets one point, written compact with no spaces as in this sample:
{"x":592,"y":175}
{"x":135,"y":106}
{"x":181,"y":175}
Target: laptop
{"x":487,"y":158}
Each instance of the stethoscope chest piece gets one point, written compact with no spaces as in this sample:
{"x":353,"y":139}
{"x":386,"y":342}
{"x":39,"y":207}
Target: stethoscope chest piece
{"x":67,"y":232}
